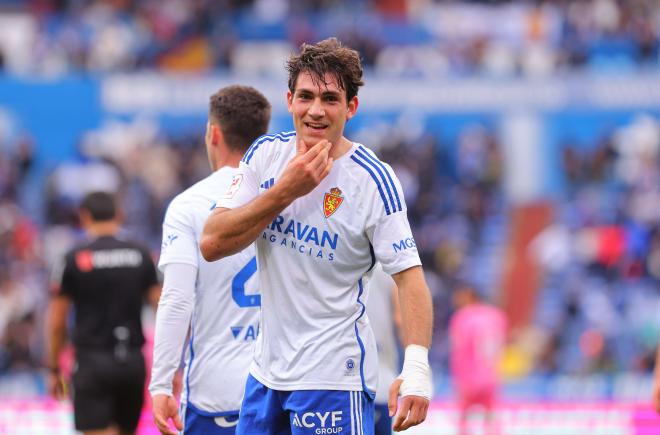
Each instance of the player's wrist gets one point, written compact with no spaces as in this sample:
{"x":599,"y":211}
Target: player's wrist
{"x":160,"y":392}
{"x":417,"y":353}
{"x":416,"y":372}
{"x":281,"y":195}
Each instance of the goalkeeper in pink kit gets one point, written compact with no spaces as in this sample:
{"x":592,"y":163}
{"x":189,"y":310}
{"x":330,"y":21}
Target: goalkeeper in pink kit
{"x":477,"y":333}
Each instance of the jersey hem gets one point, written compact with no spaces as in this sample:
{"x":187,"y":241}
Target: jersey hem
{"x":204,"y":413}
{"x":330,"y":386}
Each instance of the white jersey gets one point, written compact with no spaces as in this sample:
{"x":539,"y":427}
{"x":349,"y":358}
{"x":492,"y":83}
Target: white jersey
{"x":314,"y":261}
{"x":225,"y":319}
{"x":380,"y":308}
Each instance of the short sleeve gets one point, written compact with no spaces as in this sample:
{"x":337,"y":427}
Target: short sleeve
{"x":262,"y":155}
{"x":67,"y":284}
{"x":179,"y":243}
{"x":393,"y":243}
{"x":388,"y":228}
{"x":244,"y":186}
{"x":150,"y":275}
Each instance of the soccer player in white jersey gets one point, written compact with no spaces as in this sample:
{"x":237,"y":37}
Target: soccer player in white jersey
{"x":322,"y":210}
{"x":217,"y":301}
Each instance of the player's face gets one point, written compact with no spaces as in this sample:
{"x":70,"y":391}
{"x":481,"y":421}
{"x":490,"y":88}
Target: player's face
{"x":320,"y":110}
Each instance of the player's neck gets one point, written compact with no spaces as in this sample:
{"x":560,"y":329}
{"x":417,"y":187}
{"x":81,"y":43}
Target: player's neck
{"x":101,"y":229}
{"x":227,"y":159}
{"x":341,"y":148}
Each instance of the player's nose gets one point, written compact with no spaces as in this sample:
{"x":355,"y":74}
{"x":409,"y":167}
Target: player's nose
{"x":316,"y":108}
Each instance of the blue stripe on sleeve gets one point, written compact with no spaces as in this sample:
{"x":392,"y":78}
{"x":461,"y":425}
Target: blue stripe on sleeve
{"x":366,"y":159}
{"x":387,"y":173}
{"x":266,"y":138}
{"x":375,"y":178}
{"x":192,"y":358}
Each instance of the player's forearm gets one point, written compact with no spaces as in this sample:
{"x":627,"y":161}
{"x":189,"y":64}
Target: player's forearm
{"x":56,"y":340}
{"x":172,"y":320}
{"x":417,"y":316}
{"x":416,"y":308}
{"x":228,"y":231}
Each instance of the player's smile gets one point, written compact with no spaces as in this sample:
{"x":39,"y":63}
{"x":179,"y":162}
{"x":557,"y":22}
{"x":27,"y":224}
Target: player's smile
{"x":316,"y":128}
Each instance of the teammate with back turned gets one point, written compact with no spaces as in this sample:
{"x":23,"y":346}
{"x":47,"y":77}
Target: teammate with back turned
{"x":219,"y":300}
{"x":322,"y":210}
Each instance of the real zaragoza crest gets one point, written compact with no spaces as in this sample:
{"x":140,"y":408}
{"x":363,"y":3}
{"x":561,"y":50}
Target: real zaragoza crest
{"x":332,"y":201}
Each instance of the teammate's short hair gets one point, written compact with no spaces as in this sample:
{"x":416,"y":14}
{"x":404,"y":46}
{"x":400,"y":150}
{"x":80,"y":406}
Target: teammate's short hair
{"x":100,"y":206}
{"x":242,"y":113}
{"x":327,"y":56}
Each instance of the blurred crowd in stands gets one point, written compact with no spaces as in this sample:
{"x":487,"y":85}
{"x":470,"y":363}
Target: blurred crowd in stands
{"x":598,"y":302}
{"x":22,"y":271}
{"x":418,"y":37}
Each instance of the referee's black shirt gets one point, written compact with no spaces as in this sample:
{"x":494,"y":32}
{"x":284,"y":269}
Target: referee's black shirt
{"x":107,"y":280}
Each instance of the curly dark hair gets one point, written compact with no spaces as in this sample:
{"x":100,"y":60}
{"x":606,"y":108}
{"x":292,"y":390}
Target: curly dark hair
{"x":242,"y":113}
{"x":327,"y":56}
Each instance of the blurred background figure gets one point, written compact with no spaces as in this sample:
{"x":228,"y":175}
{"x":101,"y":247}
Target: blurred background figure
{"x":477,"y":334}
{"x":385,"y":319}
{"x":104,"y":283}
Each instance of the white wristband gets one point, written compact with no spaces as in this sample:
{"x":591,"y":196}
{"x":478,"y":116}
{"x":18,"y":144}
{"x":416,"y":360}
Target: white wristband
{"x":416,"y":373}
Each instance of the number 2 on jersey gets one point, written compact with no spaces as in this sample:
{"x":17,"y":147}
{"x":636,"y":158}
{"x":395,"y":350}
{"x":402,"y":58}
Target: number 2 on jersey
{"x":238,"y":286}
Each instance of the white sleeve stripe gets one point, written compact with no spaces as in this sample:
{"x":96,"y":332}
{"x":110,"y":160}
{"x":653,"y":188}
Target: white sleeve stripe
{"x":359,"y":409}
{"x":350,"y":396}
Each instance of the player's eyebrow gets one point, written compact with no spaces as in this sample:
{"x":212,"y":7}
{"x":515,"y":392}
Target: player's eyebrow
{"x":330,"y":94}
{"x":325,"y":93}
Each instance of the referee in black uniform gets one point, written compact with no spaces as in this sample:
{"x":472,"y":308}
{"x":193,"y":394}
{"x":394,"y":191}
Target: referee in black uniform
{"x":106,"y":282}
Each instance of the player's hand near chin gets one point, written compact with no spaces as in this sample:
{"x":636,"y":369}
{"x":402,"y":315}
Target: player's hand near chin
{"x":306,"y":170}
{"x":164,"y":408}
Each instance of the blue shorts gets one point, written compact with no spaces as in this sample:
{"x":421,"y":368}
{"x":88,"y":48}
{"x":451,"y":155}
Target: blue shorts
{"x":314,"y":412}
{"x":198,"y":422}
{"x":383,"y":421}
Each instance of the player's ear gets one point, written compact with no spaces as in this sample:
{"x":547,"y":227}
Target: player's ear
{"x":289,"y":100}
{"x":84,"y":218}
{"x":207,"y":135}
{"x":352,"y":107}
{"x":120,"y":215}
{"x":216,"y":134}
